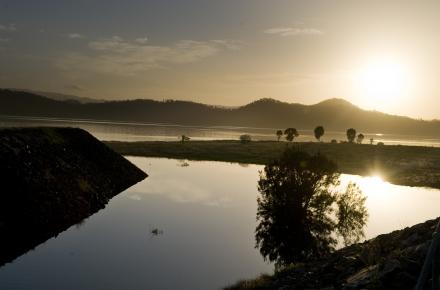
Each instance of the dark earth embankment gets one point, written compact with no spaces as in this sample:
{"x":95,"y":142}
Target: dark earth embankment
{"x":389,"y":261}
{"x":51,"y":179}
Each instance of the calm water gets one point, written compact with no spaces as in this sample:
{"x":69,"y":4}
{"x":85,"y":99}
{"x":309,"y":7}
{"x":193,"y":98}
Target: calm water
{"x":205,"y":214}
{"x":106,"y":130}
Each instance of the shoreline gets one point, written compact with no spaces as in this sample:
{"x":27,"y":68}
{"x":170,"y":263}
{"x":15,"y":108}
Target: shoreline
{"x":400,"y":165}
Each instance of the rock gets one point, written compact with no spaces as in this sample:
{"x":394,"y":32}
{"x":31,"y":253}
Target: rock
{"x":389,"y":261}
{"x":362,"y":278}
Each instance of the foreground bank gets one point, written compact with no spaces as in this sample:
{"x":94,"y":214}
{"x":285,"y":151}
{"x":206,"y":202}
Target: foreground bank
{"x":53,"y":178}
{"x":401,"y":165}
{"x":389,"y":261}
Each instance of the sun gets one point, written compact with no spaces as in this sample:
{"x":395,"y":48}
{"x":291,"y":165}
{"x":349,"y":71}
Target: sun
{"x":383,"y":82}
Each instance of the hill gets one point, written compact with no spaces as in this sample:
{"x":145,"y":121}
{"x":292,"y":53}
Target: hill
{"x":59,"y":97}
{"x":334,"y":114}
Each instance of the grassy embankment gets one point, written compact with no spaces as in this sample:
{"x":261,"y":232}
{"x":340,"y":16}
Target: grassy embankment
{"x":402,"y":165}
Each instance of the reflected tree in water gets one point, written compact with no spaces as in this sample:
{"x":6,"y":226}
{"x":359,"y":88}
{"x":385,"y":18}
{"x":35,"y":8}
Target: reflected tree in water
{"x":300,"y":213}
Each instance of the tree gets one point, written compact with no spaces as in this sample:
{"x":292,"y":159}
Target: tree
{"x":184,"y":138}
{"x":360,"y":138}
{"x":351,"y":135}
{"x":371,"y":141}
{"x":300,"y":215}
{"x":245,"y":138}
{"x":279,"y":134}
{"x":291,"y":133}
{"x":319,"y":132}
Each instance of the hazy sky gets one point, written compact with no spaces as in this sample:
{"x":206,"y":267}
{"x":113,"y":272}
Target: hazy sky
{"x":382,"y":55}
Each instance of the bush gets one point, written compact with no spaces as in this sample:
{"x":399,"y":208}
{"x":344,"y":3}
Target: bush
{"x":245,"y":138}
{"x":184,"y":138}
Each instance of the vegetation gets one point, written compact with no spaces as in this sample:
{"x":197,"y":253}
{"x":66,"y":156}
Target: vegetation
{"x":351,"y":135}
{"x":184,"y":138}
{"x":279,"y":134}
{"x":360,"y":138}
{"x":299,"y":212}
{"x":245,"y":138}
{"x":291,"y":133}
{"x":319,"y":132}
{"x":404,"y":165}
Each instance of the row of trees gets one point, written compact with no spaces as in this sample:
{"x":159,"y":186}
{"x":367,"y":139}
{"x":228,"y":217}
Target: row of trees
{"x":291,"y":133}
{"x":351,"y":135}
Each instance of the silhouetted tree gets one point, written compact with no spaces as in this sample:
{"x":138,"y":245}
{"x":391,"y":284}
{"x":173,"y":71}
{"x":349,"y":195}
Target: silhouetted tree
{"x":300,"y":215}
{"x":279,"y":134}
{"x":319,"y":132}
{"x":291,"y":133}
{"x":184,"y":138}
{"x":351,"y":135}
{"x":360,"y":138}
{"x":245,"y":138}
{"x":371,"y":141}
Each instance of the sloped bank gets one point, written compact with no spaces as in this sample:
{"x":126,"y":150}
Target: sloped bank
{"x":389,"y":261}
{"x":51,"y":179}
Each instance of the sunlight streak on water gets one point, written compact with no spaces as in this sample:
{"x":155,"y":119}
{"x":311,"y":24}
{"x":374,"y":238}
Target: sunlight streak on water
{"x":393,"y":207}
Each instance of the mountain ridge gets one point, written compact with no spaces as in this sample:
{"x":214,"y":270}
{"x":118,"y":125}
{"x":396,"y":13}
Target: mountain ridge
{"x":58,"y":96}
{"x":333,"y":114}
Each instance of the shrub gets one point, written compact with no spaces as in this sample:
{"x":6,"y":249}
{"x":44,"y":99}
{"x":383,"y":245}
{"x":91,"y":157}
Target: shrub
{"x":245,"y":138}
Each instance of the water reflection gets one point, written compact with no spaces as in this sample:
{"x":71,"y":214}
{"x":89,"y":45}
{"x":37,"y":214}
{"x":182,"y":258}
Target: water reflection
{"x":394,"y":207}
{"x":207,"y":214}
{"x":300,"y":214}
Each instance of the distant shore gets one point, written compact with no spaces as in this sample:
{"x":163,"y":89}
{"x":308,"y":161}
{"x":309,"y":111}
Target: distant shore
{"x":397,"y":164}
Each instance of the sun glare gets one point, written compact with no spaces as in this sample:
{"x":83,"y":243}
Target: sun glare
{"x":373,"y":183}
{"x":383,"y":82}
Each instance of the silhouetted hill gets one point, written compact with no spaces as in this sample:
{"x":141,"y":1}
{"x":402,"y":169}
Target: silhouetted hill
{"x":59,"y":97}
{"x":333,"y":114}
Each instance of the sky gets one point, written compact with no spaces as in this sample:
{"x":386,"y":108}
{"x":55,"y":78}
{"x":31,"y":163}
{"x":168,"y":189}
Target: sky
{"x":379,"y":55}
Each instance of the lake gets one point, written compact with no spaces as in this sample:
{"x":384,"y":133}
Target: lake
{"x":125,"y":131}
{"x":189,"y":225}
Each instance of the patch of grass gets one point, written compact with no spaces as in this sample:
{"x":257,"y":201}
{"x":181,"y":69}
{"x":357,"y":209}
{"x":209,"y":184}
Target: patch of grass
{"x":402,"y":165}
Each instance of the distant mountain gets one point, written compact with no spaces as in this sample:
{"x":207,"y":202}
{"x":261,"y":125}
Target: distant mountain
{"x":60,"y":97}
{"x":333,"y":114}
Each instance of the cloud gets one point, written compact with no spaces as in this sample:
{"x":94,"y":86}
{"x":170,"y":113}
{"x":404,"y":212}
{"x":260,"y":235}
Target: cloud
{"x":269,"y":78}
{"x":118,"y":56}
{"x":142,"y":40}
{"x":290,"y":31}
{"x":75,"y":36}
{"x":8,"y":27}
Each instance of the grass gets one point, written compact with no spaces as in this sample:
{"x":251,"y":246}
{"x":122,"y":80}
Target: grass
{"x":401,"y":165}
